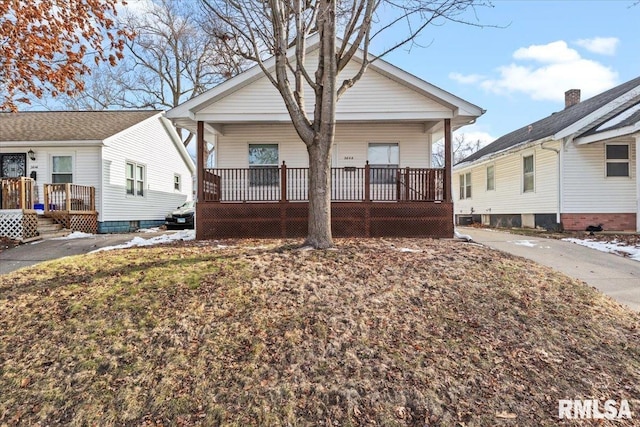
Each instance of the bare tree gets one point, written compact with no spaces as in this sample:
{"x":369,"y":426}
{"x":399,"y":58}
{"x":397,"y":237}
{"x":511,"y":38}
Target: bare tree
{"x":460,"y":147}
{"x":45,"y":45}
{"x":269,"y":28}
{"x":176,"y":54}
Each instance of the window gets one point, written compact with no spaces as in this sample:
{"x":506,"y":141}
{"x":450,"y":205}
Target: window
{"x":528,"y":176}
{"x":62,"y":169}
{"x":384,"y":160}
{"x":465,"y":185}
{"x":617,"y":156}
{"x":491,"y":178}
{"x":263,"y":164}
{"x":135,"y":179}
{"x":176,"y":182}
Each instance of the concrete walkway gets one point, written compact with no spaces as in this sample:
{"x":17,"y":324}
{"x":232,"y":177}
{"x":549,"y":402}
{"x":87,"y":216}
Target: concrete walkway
{"x":615,"y":276}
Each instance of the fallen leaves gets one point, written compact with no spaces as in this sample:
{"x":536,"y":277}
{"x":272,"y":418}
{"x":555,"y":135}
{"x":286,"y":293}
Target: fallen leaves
{"x":260,"y":333}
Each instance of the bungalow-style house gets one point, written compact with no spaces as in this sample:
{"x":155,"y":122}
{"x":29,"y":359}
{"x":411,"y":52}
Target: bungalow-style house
{"x":97,"y":171}
{"x":575,"y":168}
{"x":382,"y":180}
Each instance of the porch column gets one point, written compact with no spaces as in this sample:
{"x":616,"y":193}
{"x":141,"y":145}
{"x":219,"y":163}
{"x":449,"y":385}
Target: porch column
{"x":638,"y":183}
{"x":447,"y":161}
{"x":200,"y":160}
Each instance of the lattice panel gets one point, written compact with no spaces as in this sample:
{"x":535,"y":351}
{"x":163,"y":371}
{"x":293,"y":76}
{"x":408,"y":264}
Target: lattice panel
{"x":87,"y":223}
{"x":61,"y":218}
{"x":29,"y":225}
{"x":273,"y":220}
{"x":11,"y":224}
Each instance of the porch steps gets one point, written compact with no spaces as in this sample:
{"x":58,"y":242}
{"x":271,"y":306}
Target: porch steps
{"x":48,"y":228}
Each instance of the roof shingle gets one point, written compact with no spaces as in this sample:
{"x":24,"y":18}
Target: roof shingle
{"x":553,"y":123}
{"x":67,"y":125}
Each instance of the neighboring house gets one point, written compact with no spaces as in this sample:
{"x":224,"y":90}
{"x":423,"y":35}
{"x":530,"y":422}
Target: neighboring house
{"x":126,"y":168}
{"x":575,"y":168}
{"x":258,"y":184}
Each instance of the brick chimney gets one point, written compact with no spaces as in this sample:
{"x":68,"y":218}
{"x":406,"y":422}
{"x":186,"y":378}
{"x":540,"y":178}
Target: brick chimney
{"x":571,"y":97}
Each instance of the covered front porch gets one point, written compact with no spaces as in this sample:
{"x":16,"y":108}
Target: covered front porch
{"x":367,"y":200}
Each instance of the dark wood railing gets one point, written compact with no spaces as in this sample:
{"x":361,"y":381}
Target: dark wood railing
{"x":348,"y":184}
{"x":69,"y":198}
{"x":17,"y":193}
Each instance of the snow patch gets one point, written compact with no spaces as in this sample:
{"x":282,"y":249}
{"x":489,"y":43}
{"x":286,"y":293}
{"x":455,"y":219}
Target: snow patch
{"x":632,"y":252}
{"x":527,"y":243}
{"x":409,"y":250}
{"x":149,"y":230}
{"x":75,"y":235}
{"x":165,"y":238}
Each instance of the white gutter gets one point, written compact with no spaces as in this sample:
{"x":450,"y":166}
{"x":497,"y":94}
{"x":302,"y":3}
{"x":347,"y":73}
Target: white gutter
{"x":492,"y":156}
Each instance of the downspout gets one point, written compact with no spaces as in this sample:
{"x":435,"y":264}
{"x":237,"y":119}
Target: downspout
{"x":559,"y":195}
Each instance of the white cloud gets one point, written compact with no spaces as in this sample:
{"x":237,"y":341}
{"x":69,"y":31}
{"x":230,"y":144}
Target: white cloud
{"x":552,"y":53}
{"x":556,"y":68}
{"x":601,"y":45}
{"x":134,"y":7}
{"x":466,"y":79}
{"x":473,"y":133}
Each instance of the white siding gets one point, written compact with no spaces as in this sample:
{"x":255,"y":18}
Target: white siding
{"x":587,"y":189}
{"x":373,"y":93}
{"x":351,"y":144}
{"x":508,"y":197}
{"x":86,"y":165}
{"x":148,"y":144}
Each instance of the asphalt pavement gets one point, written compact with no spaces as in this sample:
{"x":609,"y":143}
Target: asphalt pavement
{"x":613,"y":275}
{"x":44,"y":250}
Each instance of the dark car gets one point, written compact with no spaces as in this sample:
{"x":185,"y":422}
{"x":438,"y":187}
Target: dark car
{"x":182,"y":217}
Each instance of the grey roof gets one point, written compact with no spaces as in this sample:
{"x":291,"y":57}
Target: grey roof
{"x":629,"y":121}
{"x":67,"y":125}
{"x":553,"y":123}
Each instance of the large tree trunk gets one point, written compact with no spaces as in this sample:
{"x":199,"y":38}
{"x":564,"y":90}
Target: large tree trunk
{"x":319,"y":231}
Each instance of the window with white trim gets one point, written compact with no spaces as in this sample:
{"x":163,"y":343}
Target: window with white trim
{"x":528,"y":174}
{"x":465,"y":185}
{"x":263,"y":164}
{"x":384,"y":160}
{"x":491,"y":177}
{"x":617,"y":159}
{"x":61,"y":169}
{"x":135,"y":179}
{"x":177,"y":182}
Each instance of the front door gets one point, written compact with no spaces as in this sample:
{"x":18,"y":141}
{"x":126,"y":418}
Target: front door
{"x":12,"y":166}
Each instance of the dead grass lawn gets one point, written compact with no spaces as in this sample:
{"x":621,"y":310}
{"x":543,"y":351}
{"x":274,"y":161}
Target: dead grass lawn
{"x":259,"y":333}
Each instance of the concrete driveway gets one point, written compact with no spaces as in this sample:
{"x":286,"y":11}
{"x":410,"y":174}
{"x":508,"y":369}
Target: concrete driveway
{"x":45,"y":250}
{"x":613,"y":275}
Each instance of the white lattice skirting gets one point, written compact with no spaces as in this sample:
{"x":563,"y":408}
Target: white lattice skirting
{"x":16,"y":224}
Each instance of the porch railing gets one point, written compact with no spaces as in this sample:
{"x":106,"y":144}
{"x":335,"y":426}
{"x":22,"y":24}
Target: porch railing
{"x":348,"y":184}
{"x":17,"y":193}
{"x":69,"y":198}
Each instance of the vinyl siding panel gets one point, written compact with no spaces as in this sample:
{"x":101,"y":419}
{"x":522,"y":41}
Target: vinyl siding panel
{"x":350,"y":146}
{"x":508,"y":197}
{"x":150,"y":145}
{"x":85,"y":164}
{"x":373,"y":93}
{"x":587,"y":189}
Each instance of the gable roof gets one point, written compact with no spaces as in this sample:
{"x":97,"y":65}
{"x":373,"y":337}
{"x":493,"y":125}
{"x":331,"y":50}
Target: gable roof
{"x":557,"y":122}
{"x":190,"y":108}
{"x":68,"y":125}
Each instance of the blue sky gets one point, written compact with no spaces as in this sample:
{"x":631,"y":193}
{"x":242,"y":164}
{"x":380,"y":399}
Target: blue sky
{"x":519,"y":72}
